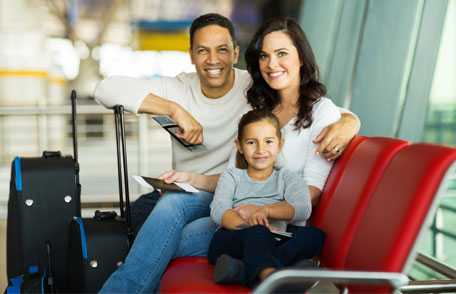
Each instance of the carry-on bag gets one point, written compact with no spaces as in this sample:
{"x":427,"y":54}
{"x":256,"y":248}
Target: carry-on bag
{"x":43,"y":199}
{"x":100,"y":244}
{"x":34,"y":281}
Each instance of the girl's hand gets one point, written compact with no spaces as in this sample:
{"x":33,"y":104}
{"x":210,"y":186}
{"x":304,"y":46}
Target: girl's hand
{"x":246,"y":210}
{"x":172,"y":176}
{"x":259,"y":217}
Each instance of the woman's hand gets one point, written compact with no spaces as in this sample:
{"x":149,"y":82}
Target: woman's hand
{"x":333,"y":139}
{"x":173,"y":176}
{"x":246,"y":210}
{"x":259,"y":217}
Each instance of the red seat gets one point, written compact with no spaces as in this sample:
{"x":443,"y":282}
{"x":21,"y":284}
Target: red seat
{"x":373,"y":207}
{"x":340,"y":209}
{"x":334,"y":178}
{"x":388,"y":227}
{"x":194,"y":275}
{"x":405,"y":198}
{"x":363,"y":158}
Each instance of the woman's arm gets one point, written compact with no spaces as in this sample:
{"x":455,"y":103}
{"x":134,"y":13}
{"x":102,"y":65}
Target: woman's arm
{"x":315,"y":194}
{"x":334,"y":138}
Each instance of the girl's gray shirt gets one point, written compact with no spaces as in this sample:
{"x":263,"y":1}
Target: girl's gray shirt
{"x":236,"y":188}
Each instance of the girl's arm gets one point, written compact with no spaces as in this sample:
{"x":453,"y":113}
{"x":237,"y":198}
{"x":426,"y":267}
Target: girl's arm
{"x":232,"y":221}
{"x":221,"y":207}
{"x":280,"y":210}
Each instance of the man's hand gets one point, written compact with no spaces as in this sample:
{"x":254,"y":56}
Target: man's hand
{"x":259,"y":217}
{"x":190,"y":129}
{"x":246,"y":210}
{"x":333,"y":139}
{"x":173,"y":176}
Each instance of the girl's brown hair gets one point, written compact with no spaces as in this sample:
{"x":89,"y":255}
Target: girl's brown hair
{"x":253,"y":116}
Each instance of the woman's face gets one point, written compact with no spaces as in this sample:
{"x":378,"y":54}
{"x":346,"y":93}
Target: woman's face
{"x":279,"y":62}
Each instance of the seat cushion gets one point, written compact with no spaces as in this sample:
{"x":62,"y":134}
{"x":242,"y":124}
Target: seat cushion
{"x":194,"y":275}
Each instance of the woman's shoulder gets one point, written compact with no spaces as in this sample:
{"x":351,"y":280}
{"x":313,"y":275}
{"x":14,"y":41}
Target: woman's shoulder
{"x":324,"y":103}
{"x":325,"y":107}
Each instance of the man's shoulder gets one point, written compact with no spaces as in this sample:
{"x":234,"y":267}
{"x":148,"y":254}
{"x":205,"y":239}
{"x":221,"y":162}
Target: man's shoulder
{"x":187,"y":77}
{"x":242,"y":77}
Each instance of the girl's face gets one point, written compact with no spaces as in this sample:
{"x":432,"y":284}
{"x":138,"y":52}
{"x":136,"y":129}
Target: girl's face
{"x":279,"y":62}
{"x":260,"y":145}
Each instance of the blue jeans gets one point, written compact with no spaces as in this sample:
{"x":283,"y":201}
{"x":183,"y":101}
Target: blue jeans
{"x":179,"y":225}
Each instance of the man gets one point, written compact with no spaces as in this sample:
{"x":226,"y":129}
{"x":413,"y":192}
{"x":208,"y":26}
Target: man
{"x":207,"y":106}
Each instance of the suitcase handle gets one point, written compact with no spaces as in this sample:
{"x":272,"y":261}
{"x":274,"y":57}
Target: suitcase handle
{"x":122,"y":169}
{"x":52,"y":154}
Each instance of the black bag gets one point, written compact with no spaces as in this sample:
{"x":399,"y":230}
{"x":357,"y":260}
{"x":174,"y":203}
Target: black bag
{"x":100,"y":244}
{"x":34,"y":281}
{"x":43,"y":199}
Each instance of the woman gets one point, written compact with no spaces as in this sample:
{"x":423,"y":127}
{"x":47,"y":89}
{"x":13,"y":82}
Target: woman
{"x":285,"y":81}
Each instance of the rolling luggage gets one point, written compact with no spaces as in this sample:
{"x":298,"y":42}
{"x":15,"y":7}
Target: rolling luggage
{"x":43,"y":199}
{"x":99,"y":245}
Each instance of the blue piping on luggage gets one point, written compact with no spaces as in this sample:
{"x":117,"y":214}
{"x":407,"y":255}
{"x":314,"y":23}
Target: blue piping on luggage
{"x":15,"y":287}
{"x":43,"y":277}
{"x":83,"y":238}
{"x":32,"y":269}
{"x":17,"y":169}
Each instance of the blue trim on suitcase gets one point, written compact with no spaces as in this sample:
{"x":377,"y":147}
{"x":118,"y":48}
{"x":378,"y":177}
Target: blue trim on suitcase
{"x":83,"y":238}
{"x":43,"y":277}
{"x":17,"y":170}
{"x":33,"y":269}
{"x":16,"y":284}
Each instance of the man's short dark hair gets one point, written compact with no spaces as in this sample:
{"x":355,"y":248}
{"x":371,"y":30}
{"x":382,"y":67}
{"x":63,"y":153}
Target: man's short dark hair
{"x":211,"y":19}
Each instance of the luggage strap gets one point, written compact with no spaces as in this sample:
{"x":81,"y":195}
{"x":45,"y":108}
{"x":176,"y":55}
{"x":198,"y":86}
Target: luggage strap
{"x":16,"y":284}
{"x":18,"y":173}
{"x":83,"y":238}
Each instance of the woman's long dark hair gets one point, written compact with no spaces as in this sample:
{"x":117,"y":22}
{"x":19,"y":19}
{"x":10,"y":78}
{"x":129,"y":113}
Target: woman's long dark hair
{"x":260,"y":95}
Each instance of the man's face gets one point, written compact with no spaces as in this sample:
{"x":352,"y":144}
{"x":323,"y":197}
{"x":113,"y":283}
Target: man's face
{"x":213,"y":53}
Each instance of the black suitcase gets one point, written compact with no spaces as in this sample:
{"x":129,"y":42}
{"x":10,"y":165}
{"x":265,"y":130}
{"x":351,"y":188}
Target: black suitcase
{"x":43,"y":199}
{"x":100,"y":244}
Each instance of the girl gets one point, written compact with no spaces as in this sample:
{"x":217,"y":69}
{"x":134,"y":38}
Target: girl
{"x":280,"y":195}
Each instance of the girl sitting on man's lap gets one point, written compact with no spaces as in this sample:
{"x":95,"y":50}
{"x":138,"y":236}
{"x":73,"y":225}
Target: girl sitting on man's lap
{"x":245,"y":249}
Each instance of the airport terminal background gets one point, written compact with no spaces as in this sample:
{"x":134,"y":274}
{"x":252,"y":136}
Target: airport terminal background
{"x":391,"y":62}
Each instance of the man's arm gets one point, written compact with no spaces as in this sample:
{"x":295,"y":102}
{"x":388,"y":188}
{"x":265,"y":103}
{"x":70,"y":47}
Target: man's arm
{"x":192,"y":131}
{"x":135,"y":95}
{"x":207,"y":183}
{"x":333,"y":139}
